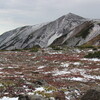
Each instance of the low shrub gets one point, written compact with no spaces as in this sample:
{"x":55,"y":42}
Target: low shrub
{"x":87,"y":46}
{"x":56,"y":48}
{"x":93,"y":55}
{"x":34,"y":49}
{"x":16,"y":50}
{"x":3,"y":50}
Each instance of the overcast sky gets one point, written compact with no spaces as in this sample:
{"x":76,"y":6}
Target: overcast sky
{"x":16,"y":13}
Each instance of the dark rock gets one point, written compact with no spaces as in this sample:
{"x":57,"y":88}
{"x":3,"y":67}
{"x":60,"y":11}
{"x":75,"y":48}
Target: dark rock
{"x":60,"y":95}
{"x":31,"y":97}
{"x":40,"y":82}
{"x":23,"y":97}
{"x":91,"y":95}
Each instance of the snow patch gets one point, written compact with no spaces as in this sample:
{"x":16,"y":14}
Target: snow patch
{"x":1,"y":85}
{"x":40,"y":67}
{"x":93,"y":59}
{"x":76,"y":63}
{"x":7,"y":98}
{"x":55,"y":36}
{"x":57,"y":72}
{"x":58,"y":52}
{"x":39,"y":89}
{"x":77,"y":50}
{"x":77,"y":79}
{"x":65,"y":64}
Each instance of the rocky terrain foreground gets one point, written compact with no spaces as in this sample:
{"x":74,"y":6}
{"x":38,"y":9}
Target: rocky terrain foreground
{"x":48,"y":73}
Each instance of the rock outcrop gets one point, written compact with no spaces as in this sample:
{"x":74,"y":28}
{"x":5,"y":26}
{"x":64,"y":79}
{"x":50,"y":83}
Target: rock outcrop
{"x":91,"y":95}
{"x":31,"y":97}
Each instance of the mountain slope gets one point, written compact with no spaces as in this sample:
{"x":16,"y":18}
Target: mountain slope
{"x":69,"y":29}
{"x":88,"y":32}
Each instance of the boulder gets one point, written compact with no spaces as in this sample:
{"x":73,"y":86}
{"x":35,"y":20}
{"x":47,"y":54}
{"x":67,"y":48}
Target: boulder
{"x":91,"y":95}
{"x":31,"y":97}
{"x":59,"y":95}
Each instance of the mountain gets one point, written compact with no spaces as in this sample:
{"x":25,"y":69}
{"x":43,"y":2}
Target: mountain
{"x":70,"y":30}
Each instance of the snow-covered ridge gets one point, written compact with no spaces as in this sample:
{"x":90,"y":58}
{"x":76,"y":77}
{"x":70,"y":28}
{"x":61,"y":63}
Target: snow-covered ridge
{"x":45,"y":34}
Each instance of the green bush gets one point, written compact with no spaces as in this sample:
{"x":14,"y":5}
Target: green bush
{"x":87,"y":46}
{"x":56,"y":48}
{"x":3,"y":50}
{"x":16,"y":50}
{"x":93,"y":55}
{"x":34,"y":49}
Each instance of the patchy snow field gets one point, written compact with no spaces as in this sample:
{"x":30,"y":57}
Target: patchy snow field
{"x":7,"y":98}
{"x":22,"y":72}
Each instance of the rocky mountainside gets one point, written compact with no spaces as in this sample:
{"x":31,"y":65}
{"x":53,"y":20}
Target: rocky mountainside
{"x":70,"y":30}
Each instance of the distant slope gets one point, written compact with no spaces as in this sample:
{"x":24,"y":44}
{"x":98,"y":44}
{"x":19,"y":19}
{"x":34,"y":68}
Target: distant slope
{"x":70,"y":29}
{"x":95,"y":41}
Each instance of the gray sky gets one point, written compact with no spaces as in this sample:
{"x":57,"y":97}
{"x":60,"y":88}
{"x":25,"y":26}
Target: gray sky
{"x":16,"y":13}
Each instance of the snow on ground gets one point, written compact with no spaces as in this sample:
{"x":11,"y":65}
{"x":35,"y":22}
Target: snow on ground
{"x":65,"y":64}
{"x":77,"y":79}
{"x":85,"y":77}
{"x":58,"y":72}
{"x":76,"y":70}
{"x":10,"y":67}
{"x":7,"y":98}
{"x":92,"y":77}
{"x":76,"y":63}
{"x":1,"y":85}
{"x":77,"y":50}
{"x":40,"y":67}
{"x":39,"y":89}
{"x":93,"y":59}
{"x":90,"y":50}
{"x":69,"y":69}
{"x":42,"y":89}
{"x":58,"y":52}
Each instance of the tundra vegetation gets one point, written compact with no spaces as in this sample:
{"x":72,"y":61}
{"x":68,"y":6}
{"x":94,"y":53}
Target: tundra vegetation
{"x":63,"y":73}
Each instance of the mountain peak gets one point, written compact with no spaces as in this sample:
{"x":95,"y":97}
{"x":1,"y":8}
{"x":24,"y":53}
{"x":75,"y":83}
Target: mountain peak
{"x":67,"y":30}
{"x":72,"y":15}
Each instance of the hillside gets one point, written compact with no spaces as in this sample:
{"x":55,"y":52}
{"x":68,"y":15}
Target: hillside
{"x":70,"y":30}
